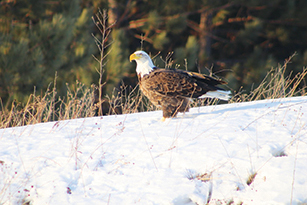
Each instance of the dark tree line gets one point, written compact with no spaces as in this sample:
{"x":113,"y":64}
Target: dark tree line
{"x":238,"y":40}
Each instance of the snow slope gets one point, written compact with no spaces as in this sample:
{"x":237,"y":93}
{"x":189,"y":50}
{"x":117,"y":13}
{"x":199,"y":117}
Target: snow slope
{"x":207,"y":154}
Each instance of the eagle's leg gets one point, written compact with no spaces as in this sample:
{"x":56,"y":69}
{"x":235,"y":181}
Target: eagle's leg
{"x":184,"y":106}
{"x":171,"y":110}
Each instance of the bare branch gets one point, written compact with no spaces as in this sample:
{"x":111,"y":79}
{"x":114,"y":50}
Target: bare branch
{"x":100,"y":20}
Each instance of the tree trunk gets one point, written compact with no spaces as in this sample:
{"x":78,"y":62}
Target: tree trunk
{"x":204,"y":39}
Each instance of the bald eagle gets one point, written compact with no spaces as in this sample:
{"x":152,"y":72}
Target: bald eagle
{"x":172,"y":89}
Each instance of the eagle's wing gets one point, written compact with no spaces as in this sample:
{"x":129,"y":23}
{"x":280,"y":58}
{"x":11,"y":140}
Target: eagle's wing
{"x":205,"y":79}
{"x":177,"y":83}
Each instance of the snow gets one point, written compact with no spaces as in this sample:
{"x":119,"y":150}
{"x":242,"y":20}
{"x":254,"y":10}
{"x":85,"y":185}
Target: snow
{"x":207,"y":154}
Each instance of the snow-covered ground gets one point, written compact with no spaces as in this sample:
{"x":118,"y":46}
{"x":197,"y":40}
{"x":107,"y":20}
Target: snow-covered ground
{"x":207,"y":154}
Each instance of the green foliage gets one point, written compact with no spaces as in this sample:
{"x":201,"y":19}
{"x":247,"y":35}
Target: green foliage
{"x":43,"y":39}
{"x":220,"y":16}
{"x":188,"y":53}
{"x":255,"y":69}
{"x":117,"y":61}
{"x":160,"y":40}
{"x":153,"y":21}
{"x":251,"y":32}
{"x":176,"y":24}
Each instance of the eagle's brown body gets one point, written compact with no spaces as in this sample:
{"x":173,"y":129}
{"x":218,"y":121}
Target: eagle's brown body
{"x":172,"y":89}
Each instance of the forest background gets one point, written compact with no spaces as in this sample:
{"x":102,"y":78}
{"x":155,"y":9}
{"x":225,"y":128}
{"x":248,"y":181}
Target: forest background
{"x":47,"y":44}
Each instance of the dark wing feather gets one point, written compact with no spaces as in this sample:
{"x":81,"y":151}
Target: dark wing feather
{"x":205,"y":79}
{"x":177,"y":83}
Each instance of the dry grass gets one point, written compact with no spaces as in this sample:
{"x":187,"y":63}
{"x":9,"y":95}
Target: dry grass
{"x":276,"y":85}
{"x":127,"y":100}
{"x":251,"y":178}
{"x":50,"y":107}
{"x":203,"y":177}
{"x":82,"y":101}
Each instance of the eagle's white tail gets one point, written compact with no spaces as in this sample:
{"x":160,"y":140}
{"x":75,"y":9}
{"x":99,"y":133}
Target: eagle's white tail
{"x":220,"y":94}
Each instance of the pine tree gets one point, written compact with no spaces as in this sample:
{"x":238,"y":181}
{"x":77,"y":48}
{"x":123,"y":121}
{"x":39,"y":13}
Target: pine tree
{"x":244,"y":37}
{"x":117,"y":65}
{"x":42,"y":39}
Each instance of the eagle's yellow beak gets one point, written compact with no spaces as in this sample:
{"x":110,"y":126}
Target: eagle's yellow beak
{"x":134,"y":57}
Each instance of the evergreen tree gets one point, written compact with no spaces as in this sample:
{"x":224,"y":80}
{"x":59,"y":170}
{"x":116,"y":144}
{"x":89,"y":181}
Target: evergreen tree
{"x":245,"y":37}
{"x":39,"y":39}
{"x":117,"y":62}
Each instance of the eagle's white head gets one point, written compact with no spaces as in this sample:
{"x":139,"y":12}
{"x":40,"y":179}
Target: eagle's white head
{"x":144,"y":64}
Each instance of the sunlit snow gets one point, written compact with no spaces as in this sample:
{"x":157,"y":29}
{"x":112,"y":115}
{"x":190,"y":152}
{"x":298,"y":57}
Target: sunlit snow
{"x":206,"y":155}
